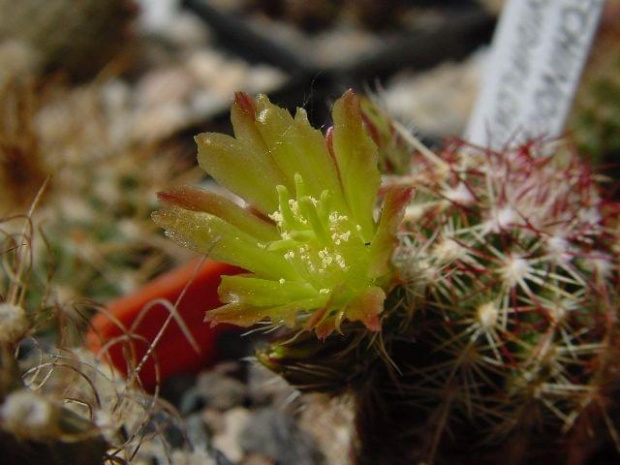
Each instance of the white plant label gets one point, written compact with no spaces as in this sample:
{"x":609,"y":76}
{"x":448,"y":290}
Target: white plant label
{"x":538,"y":52}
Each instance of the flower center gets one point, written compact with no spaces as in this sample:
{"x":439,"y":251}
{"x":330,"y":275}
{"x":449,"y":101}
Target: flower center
{"x":324,"y":246}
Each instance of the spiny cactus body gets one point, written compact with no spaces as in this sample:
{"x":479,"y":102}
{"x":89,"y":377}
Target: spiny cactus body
{"x":498,"y":330}
{"x":594,"y":122}
{"x":510,"y":280}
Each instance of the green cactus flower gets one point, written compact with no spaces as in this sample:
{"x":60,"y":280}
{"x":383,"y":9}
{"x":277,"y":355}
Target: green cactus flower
{"x":315,"y":254}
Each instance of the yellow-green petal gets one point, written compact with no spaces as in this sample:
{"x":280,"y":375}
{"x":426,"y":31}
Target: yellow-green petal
{"x":222,"y":241}
{"x":244,"y":172}
{"x":356,"y":156}
{"x":263,"y":292}
{"x":201,"y":200}
{"x":297,"y":148}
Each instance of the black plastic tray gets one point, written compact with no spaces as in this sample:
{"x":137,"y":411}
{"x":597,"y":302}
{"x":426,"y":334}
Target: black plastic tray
{"x":457,"y":30}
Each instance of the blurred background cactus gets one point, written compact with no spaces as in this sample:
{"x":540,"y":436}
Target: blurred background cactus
{"x":59,"y":403}
{"x":98,"y":236}
{"x":595,"y":119}
{"x":22,"y":171}
{"x":78,"y":37}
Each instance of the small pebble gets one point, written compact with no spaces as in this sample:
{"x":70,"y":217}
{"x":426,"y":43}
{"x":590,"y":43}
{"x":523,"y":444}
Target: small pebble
{"x":228,"y":441}
{"x":219,"y":391}
{"x":274,"y":434}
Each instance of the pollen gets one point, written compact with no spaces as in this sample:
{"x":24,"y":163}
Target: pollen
{"x":295,"y":210}
{"x":336,"y":218}
{"x":277,"y":218}
{"x":339,"y":237}
{"x":341,"y":262}
{"x":326,"y":258}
